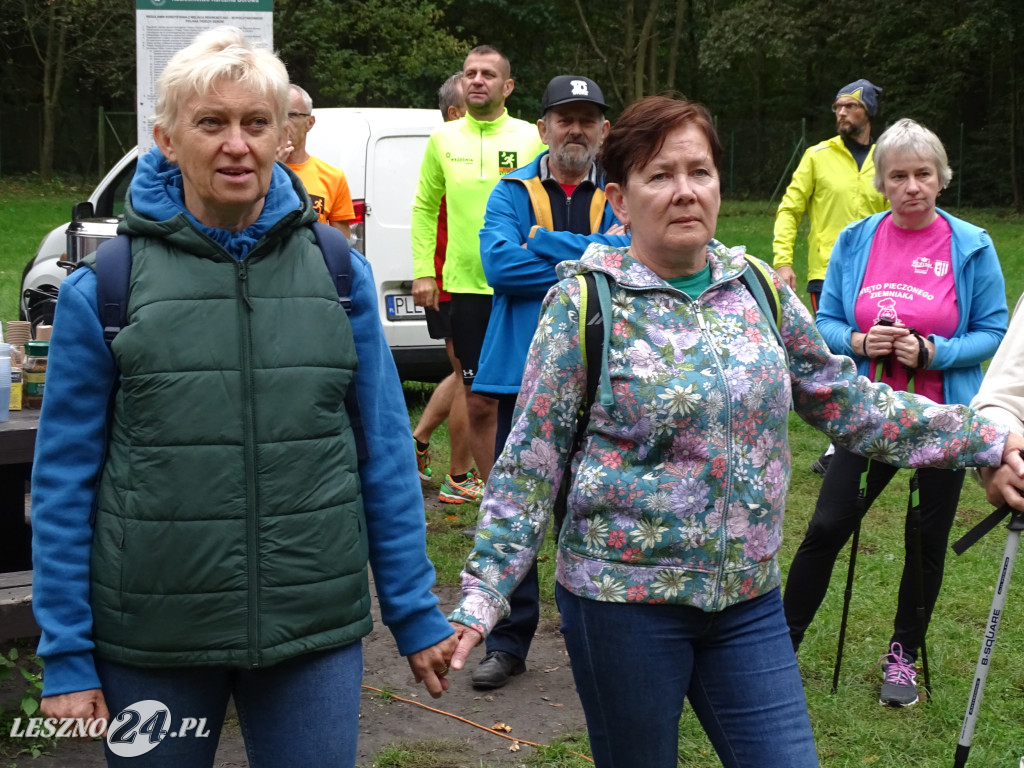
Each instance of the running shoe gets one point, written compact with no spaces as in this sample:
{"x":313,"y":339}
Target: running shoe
{"x":899,"y":681}
{"x":453,"y":492}
{"x":422,"y":460}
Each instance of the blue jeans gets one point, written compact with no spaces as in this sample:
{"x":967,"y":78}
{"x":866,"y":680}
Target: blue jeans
{"x":303,"y":712}
{"x":634,"y":665}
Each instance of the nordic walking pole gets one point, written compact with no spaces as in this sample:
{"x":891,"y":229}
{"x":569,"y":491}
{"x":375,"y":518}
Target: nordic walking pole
{"x":914,"y":519}
{"x":1015,"y":526}
{"x":862,"y":496}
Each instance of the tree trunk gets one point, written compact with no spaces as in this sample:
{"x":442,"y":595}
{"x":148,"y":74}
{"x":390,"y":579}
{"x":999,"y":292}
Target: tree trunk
{"x":673,"y":50}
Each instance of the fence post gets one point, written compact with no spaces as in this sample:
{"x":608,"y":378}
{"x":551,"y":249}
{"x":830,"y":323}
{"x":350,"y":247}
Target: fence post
{"x":102,"y":143}
{"x":960,"y":176}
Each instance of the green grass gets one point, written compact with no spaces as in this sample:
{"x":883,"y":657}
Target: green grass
{"x":850,"y":727}
{"x":28,"y":210}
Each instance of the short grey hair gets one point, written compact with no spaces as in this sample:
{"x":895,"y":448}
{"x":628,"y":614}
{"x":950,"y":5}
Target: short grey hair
{"x":908,"y":137}
{"x":222,"y":53}
{"x":450,"y":94}
{"x":307,"y":100}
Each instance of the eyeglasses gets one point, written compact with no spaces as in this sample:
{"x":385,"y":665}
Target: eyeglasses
{"x":847,"y":106}
{"x":293,"y":115}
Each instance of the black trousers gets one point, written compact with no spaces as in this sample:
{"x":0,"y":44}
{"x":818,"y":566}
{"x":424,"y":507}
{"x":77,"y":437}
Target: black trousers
{"x":515,"y":633}
{"x":836,"y":516}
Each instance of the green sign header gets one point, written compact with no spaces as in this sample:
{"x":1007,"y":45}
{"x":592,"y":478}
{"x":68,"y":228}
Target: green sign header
{"x":204,"y":5}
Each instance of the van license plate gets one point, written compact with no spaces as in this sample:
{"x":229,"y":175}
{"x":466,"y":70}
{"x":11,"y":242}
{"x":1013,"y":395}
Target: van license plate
{"x":401,"y":307}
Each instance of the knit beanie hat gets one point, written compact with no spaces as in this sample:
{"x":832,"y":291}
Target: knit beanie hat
{"x":864,"y":91}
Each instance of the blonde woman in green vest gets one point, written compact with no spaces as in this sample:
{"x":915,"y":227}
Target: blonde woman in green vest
{"x":210,"y":537}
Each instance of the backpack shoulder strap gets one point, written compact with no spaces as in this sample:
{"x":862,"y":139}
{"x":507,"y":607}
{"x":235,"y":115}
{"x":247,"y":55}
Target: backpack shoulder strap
{"x":591,"y":336}
{"x":113,"y":268}
{"x":760,"y":285}
{"x":338,"y":258}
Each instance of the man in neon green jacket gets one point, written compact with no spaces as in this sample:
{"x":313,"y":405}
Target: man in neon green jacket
{"x":463,"y":161}
{"x":833,"y":185}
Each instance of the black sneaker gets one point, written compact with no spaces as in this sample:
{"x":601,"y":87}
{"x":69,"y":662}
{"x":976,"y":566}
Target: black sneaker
{"x":496,"y":669}
{"x":899,"y":682}
{"x":820,"y":465}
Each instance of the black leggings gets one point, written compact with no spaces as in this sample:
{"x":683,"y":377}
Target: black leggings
{"x":836,"y":516}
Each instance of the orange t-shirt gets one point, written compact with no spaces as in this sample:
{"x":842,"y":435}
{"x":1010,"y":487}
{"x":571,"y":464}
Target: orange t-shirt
{"x":327,"y":188}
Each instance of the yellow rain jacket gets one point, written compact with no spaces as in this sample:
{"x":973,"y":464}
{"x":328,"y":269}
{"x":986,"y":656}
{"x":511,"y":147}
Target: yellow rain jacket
{"x":827,"y":187}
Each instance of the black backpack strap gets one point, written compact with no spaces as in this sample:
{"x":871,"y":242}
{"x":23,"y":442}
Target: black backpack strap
{"x":113,"y":268}
{"x":338,"y":258}
{"x":591,"y":335}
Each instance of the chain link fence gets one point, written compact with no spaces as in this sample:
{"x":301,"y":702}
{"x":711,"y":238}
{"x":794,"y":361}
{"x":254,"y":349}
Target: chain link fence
{"x":760,"y":155}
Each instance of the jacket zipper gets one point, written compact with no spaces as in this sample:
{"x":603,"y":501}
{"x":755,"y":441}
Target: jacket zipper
{"x":727,"y":480}
{"x":248,"y":420}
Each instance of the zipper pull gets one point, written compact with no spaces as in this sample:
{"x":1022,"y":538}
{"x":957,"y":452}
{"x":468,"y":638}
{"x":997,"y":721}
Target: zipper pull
{"x":243,"y":274}
{"x":699,"y":315}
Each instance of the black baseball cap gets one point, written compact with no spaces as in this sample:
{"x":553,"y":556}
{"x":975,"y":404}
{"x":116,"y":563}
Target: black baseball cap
{"x":565,"y":89}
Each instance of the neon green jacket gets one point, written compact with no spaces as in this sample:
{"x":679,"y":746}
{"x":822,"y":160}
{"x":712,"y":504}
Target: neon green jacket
{"x":827,"y":187}
{"x":463,"y":161}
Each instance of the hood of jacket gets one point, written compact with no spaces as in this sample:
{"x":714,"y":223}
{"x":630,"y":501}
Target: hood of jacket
{"x":156,"y":207}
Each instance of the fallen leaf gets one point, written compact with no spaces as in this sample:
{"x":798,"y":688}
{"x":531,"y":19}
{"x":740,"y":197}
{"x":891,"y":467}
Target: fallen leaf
{"x":545,"y":698}
{"x":500,"y":726}
{"x":553,"y":704}
{"x":452,"y":518}
{"x":514,"y":747}
{"x":551,"y":669}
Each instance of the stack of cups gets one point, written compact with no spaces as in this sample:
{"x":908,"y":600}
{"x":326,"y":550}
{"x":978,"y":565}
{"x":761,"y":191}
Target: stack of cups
{"x":18,"y":332}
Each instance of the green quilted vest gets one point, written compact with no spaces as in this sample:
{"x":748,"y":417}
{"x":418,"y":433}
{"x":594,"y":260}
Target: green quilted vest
{"x":229,"y":527}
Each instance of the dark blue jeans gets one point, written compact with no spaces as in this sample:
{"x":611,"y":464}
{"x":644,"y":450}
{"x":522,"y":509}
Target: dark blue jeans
{"x":634,"y":664}
{"x":515,"y":633}
{"x":301,"y":713}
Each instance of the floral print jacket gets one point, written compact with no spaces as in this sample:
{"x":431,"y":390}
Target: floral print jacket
{"x":678,"y":491}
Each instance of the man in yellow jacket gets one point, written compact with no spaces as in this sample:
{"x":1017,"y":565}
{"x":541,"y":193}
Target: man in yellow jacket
{"x":463,"y":161}
{"x":833,"y":185}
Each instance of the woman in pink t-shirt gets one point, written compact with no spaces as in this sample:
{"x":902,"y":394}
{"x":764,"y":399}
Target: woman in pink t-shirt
{"x":916,"y":297}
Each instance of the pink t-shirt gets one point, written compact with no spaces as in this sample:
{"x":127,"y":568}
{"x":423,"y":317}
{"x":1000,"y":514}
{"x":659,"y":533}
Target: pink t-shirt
{"x":909,"y":280}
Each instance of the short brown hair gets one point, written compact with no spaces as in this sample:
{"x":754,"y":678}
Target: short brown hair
{"x":640,"y":132}
{"x":487,"y":50}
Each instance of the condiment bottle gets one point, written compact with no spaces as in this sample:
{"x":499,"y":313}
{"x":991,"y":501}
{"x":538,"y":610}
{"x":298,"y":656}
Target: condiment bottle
{"x":33,"y":372}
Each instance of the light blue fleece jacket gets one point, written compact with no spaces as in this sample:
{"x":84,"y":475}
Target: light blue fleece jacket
{"x":980,"y":299}
{"x":71,"y":447}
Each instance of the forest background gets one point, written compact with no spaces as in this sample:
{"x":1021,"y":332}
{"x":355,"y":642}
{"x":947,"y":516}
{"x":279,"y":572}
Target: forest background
{"x":767,"y":69}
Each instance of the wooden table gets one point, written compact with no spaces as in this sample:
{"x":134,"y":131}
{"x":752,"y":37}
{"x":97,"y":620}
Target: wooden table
{"x":17,"y":447}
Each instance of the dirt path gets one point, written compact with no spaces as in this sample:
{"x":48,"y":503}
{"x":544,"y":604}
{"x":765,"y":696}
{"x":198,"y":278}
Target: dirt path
{"x":538,"y":706}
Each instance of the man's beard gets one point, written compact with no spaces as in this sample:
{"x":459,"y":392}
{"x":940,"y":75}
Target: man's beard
{"x":849,"y":129}
{"x":574,"y":159}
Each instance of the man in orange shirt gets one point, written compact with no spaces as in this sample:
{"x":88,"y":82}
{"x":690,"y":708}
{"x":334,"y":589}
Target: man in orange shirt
{"x":326,"y":185}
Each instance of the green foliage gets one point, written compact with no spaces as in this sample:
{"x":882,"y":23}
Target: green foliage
{"x":381,"y":53}
{"x":29,"y":668}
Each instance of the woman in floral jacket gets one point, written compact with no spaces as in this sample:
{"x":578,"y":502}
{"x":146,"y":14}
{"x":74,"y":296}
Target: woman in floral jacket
{"x":668,"y":578}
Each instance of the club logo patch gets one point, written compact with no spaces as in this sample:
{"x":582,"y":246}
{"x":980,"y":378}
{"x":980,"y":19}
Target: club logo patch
{"x":579,"y":88}
{"x":507,"y":161}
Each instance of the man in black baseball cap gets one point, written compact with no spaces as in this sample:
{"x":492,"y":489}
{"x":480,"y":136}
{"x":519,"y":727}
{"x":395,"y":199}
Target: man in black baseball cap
{"x":536,"y":217}
{"x":566,"y":89}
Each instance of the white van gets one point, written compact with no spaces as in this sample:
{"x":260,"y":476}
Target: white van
{"x":380,"y":151}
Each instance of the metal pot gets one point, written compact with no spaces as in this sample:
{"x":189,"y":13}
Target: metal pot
{"x":85,"y":235}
